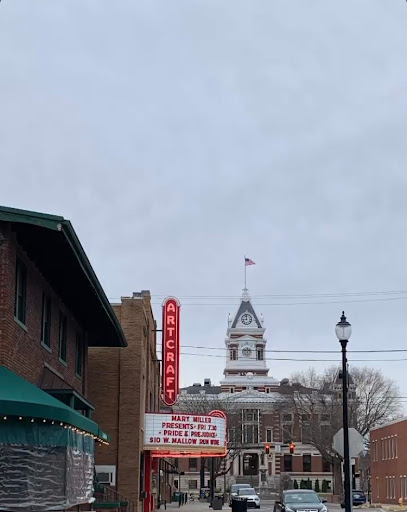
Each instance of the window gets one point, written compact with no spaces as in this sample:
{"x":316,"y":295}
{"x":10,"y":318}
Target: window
{"x":20,"y":302}
{"x":193,"y":464}
{"x":192,"y":484}
{"x":269,"y":435}
{"x":377,"y":488}
{"x":287,"y":433}
{"x":79,"y":360}
{"x":381,"y":448}
{"x":288,"y":463}
{"x":287,"y":417}
{"x":306,"y":432}
{"x":326,"y":466}
{"x":387,"y":487}
{"x":62,"y":337}
{"x":306,"y":463}
{"x":395,"y":447}
{"x":251,"y":434}
{"x":46,"y":321}
{"x":106,"y":475}
{"x":260,"y":354}
{"x":325,"y":418}
{"x":233,"y":354}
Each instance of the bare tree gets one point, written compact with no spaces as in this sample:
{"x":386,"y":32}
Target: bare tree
{"x":205,"y":403}
{"x":317,"y":401}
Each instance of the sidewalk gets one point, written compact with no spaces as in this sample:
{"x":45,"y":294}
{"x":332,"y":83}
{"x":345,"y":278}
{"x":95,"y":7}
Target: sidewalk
{"x":195,"y":506}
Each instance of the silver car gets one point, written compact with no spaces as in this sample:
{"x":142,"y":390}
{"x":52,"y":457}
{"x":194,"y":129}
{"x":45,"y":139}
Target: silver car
{"x":234,"y":489}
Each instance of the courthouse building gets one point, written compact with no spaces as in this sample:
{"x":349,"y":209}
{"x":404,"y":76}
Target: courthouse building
{"x":258,"y":399}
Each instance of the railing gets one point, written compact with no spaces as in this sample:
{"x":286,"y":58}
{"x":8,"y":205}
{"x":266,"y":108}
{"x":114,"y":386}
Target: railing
{"x":108,"y":498}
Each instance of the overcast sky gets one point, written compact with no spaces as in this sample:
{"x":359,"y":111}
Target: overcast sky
{"x":178,"y":136}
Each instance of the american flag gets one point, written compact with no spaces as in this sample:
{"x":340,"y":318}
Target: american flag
{"x":248,"y":261}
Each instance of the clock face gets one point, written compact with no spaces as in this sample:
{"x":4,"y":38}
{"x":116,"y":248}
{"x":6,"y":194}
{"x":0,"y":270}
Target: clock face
{"x":247,"y":319}
{"x":246,"y":352}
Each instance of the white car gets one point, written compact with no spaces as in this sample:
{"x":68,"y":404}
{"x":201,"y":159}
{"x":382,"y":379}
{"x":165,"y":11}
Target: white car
{"x":250,"y":495}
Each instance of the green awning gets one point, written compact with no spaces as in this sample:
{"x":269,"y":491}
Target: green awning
{"x":18,"y":397}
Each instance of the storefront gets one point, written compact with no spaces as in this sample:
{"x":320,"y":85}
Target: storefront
{"x":46,"y":449}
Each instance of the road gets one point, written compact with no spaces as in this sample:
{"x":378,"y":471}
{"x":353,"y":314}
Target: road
{"x":266,"y":506}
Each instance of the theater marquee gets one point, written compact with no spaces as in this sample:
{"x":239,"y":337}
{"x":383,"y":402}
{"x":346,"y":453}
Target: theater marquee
{"x":182,"y":435}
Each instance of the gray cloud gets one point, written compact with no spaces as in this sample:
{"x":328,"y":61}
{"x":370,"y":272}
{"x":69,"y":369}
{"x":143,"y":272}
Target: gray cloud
{"x":178,"y":136}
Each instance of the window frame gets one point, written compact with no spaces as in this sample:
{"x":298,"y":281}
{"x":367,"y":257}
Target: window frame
{"x":309,"y":461}
{"x":288,"y":457}
{"x":20,"y":310}
{"x":46,"y":320}
{"x":79,"y":351}
{"x":194,"y":486}
{"x":193,"y":468}
{"x":63,"y":338}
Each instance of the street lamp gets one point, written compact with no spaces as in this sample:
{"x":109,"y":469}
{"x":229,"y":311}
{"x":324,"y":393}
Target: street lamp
{"x":343,"y":331}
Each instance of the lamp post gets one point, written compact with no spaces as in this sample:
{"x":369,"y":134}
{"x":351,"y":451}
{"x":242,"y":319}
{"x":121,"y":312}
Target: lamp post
{"x":343,"y":331}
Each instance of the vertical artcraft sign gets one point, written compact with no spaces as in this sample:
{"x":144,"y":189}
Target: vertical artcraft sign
{"x":170,"y":366}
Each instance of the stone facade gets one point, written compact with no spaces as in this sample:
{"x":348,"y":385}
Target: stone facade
{"x":264,"y":414}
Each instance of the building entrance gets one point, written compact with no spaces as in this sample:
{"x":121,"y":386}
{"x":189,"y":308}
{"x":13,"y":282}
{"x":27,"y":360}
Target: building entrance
{"x":250,"y":464}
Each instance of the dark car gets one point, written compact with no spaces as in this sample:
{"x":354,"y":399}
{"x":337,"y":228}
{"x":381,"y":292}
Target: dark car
{"x":300,"y":500}
{"x":358,"y":498}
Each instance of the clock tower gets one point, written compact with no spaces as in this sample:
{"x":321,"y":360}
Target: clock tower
{"x":246,"y":366}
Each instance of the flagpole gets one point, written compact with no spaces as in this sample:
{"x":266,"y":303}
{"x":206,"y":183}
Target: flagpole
{"x":245,"y":287}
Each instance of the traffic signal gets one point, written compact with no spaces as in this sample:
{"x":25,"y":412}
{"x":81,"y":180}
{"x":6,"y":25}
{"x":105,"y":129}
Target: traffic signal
{"x":267,"y":449}
{"x":292,"y":446}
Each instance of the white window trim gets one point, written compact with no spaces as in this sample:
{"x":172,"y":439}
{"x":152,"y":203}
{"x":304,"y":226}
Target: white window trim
{"x":107,"y":469}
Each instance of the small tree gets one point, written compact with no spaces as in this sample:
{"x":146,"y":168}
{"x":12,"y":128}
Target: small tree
{"x":295,"y":484}
{"x":303,"y":484}
{"x":317,"y":485}
{"x":309,"y":484}
{"x":324,"y":486}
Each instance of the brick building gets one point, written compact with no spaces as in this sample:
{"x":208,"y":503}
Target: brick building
{"x":388,"y":455}
{"x":125,"y":383}
{"x":52,"y":308}
{"x":265,"y":414}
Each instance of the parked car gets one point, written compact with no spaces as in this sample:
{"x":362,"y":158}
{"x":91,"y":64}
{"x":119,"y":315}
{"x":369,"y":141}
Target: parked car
{"x":250,"y":495}
{"x":358,"y":498}
{"x":300,"y":500}
{"x":233,"y":491}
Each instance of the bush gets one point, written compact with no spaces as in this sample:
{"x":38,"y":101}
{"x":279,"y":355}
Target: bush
{"x":303,"y":484}
{"x":324,"y":486}
{"x":295,"y":484}
{"x":316,"y":487}
{"x":309,"y":484}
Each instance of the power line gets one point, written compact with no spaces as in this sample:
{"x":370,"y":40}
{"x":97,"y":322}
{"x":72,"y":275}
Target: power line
{"x":300,"y":360}
{"x":262,"y":304}
{"x":278,"y":351}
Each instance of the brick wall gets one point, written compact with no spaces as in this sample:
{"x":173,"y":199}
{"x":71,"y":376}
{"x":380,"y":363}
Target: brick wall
{"x":20,"y":348}
{"x":388,"y":452}
{"x":123,"y":384}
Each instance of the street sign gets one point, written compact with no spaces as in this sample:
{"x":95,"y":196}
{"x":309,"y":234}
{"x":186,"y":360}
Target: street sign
{"x":356,"y":442}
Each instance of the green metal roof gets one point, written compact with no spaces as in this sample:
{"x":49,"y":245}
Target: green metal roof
{"x":52,"y":243}
{"x":18,"y":397}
